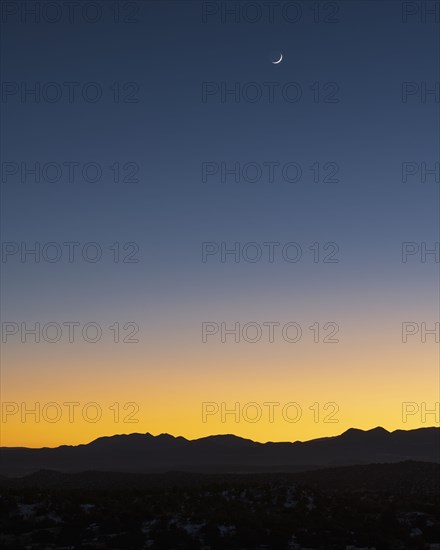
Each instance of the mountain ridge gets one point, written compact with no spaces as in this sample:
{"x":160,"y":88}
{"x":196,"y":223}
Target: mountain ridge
{"x":377,"y":429}
{"x":225,"y":452}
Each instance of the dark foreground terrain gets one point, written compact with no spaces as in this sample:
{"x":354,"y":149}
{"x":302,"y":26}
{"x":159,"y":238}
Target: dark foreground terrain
{"x":380,"y":506}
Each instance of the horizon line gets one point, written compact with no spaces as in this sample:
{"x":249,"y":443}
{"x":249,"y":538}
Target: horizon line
{"x":219,"y":435}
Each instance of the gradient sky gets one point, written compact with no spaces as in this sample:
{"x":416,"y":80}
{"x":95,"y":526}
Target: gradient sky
{"x":169,"y":52}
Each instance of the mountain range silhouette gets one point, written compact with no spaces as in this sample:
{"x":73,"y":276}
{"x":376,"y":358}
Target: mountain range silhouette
{"x":145,"y":453}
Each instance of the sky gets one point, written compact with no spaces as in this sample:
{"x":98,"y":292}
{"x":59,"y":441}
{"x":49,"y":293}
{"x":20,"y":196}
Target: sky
{"x":221,"y":244}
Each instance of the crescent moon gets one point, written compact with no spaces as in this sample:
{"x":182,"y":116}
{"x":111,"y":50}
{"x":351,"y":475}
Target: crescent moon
{"x":279,"y":60}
